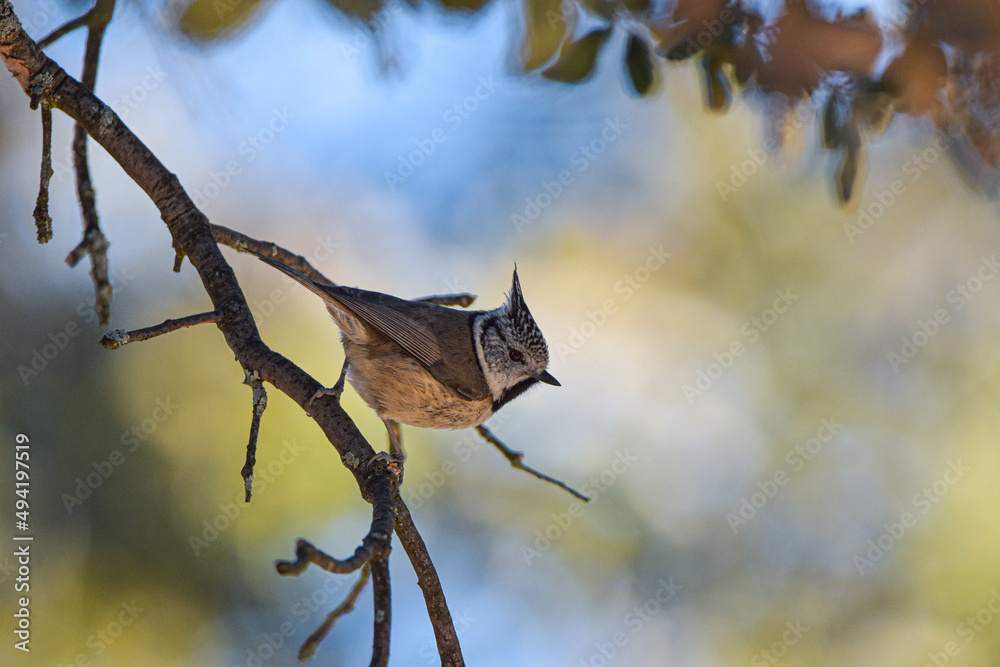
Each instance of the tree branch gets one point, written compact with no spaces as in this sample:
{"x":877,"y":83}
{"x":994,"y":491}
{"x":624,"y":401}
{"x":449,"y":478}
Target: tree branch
{"x":515,"y":459}
{"x":448,"y":647}
{"x":242,"y":242}
{"x":43,"y":79}
{"x":444,"y":630}
{"x":381,"y":488}
{"x":89,"y":18}
{"x":373,"y":553}
{"x":382,"y":595}
{"x":94,"y":242}
{"x":119,"y":337}
{"x":43,"y":221}
{"x":65,"y":29}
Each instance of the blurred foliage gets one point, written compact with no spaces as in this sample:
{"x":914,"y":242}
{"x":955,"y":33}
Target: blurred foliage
{"x":639,"y":65}
{"x":548,"y":37}
{"x":577,"y":58}
{"x":545,"y":30}
{"x":463,"y":6}
{"x":801,"y":50}
{"x":208,"y":20}
{"x":363,"y":10}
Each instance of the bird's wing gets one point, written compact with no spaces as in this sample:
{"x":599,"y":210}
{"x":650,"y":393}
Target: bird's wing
{"x":415,"y":337}
{"x":376,"y":310}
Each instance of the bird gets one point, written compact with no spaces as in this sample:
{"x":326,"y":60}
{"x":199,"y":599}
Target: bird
{"x":428,"y":365}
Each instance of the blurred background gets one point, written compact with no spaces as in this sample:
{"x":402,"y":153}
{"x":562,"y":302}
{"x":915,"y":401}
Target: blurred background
{"x":785,"y":410}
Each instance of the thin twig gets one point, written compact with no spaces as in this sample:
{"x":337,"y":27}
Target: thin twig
{"x":449,"y":650}
{"x":259,"y":403}
{"x":94,"y":242}
{"x":99,"y":14}
{"x":515,"y":461}
{"x":382,"y":594}
{"x":306,"y":553}
{"x":77,"y":253}
{"x":115,"y":339}
{"x":43,"y":221}
{"x":309,"y":647}
{"x":381,"y":484}
{"x":66,"y":28}
{"x":381,"y":487}
{"x":242,"y":242}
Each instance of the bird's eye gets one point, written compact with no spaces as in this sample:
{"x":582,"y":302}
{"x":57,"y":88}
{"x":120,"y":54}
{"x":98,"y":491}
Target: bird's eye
{"x":515,"y":355}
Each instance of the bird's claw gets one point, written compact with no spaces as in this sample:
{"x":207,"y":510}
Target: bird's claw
{"x":326,"y":391}
{"x":392,"y":461}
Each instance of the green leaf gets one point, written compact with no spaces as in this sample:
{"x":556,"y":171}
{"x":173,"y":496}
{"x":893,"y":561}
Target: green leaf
{"x":639,"y":65}
{"x":365,"y":10}
{"x":463,"y":6}
{"x":577,"y":59}
{"x":637,"y":6}
{"x":545,"y":29}
{"x":208,"y":20}
{"x":606,"y":9}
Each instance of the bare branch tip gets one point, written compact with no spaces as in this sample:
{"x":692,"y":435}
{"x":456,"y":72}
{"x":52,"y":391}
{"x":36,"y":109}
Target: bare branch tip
{"x":515,"y":459}
{"x":119,"y":337}
{"x":115,"y":339}
{"x":43,"y":221}
{"x":259,"y":401}
{"x":247,"y":484}
{"x":77,"y":253}
{"x":304,"y":551}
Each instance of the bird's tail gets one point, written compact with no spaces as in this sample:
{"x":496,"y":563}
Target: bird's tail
{"x":300,"y":277}
{"x":342,"y":315}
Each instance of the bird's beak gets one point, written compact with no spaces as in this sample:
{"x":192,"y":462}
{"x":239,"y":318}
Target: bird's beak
{"x":547,"y":378}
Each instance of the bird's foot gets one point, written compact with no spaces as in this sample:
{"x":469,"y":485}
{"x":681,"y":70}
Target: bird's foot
{"x":336,"y":390}
{"x":393,"y":462}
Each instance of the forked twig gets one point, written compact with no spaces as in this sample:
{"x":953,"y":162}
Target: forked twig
{"x":377,"y":542}
{"x":94,"y":243}
{"x":515,"y":461}
{"x":309,"y":648}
